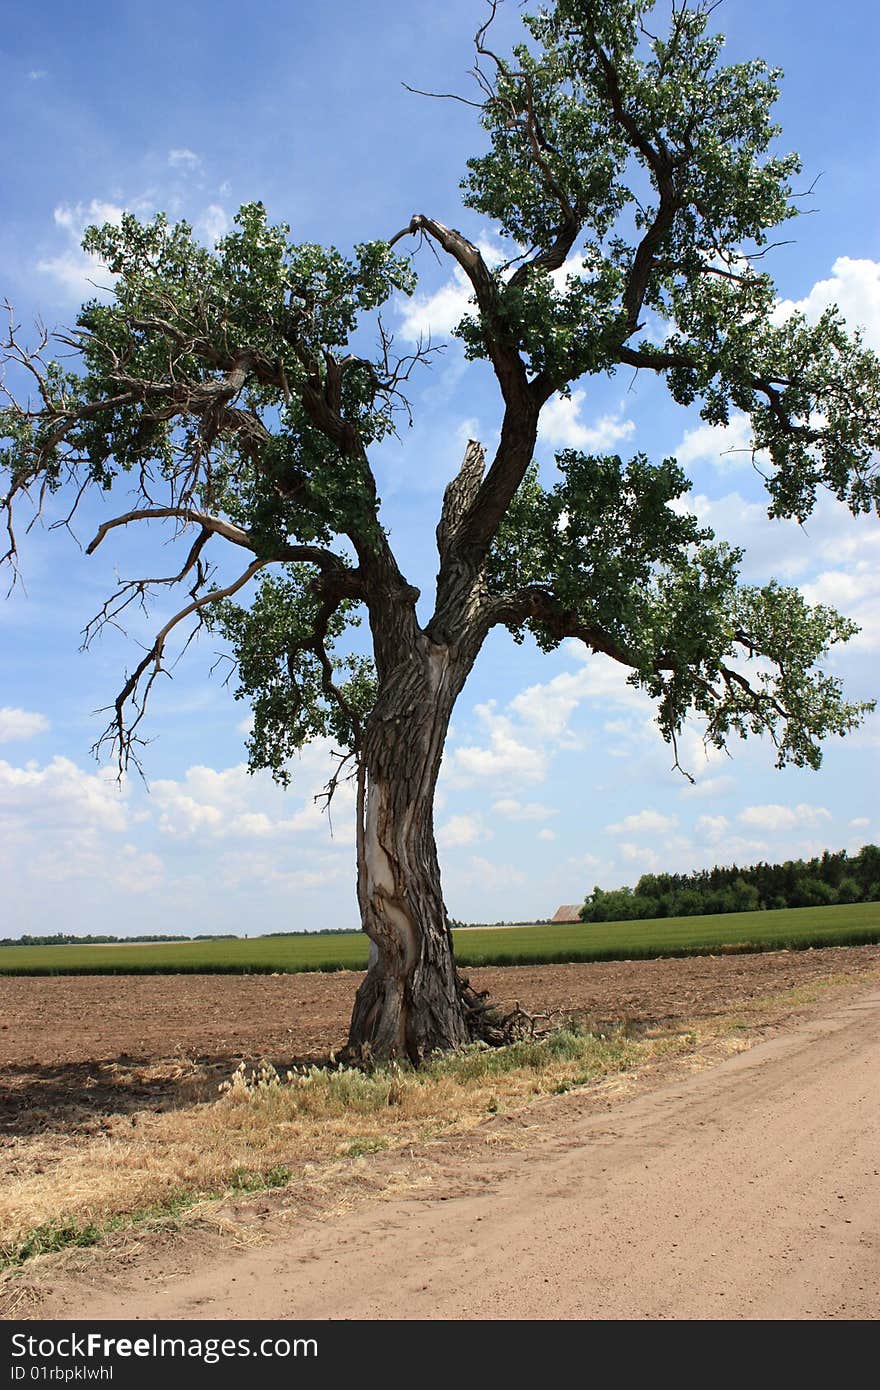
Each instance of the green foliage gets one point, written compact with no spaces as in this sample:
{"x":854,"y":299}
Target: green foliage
{"x":663,"y":159}
{"x":823,"y":881}
{"x":627,"y":563}
{"x":639,"y":178}
{"x":298,"y":688}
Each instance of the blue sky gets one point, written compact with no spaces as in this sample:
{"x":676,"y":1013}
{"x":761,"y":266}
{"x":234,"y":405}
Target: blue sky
{"x":555,"y":777}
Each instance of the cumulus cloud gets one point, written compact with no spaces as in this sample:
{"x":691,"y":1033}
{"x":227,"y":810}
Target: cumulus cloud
{"x":646,"y":860}
{"x":61,"y":825}
{"x":80,"y":275}
{"x":832,"y":542}
{"x":511,"y":809}
{"x":562,"y":426}
{"x":505,"y":756}
{"x":436,"y":315}
{"x":184,"y":159}
{"x":724,"y":446}
{"x":180,"y":856}
{"x":461,"y":830}
{"x":644,"y":822}
{"x":772,"y":817}
{"x":854,"y":286}
{"x":232,"y":804}
{"x":856,"y":592}
{"x":62,"y":796}
{"x":547,"y":707}
{"x":535,"y":725}
{"x":713,"y":827}
{"x":214,"y":223}
{"x":20,"y":724}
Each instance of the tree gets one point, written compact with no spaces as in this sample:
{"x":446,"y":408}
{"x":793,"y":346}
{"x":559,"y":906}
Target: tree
{"x":632,"y":175}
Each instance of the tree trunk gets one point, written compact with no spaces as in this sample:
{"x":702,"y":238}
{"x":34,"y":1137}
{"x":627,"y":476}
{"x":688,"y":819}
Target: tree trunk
{"x":412,"y":1001}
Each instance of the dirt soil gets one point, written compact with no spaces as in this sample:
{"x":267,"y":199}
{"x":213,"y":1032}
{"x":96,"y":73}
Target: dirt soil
{"x":708,"y":1186}
{"x":75,"y":1048}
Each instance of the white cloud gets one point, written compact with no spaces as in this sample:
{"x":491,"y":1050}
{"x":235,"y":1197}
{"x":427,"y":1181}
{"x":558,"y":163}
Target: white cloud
{"x":505,"y":756}
{"x":644,"y":822}
{"x":859,"y":822}
{"x":724,"y":446}
{"x":546,"y":834}
{"x":707,"y":788}
{"x":78,"y":274}
{"x":65,"y":828}
{"x":855,"y":592}
{"x":547,"y":707}
{"x":62,"y":796}
{"x":138,"y":872}
{"x":20,"y":724}
{"x":184,"y":159}
{"x":436,"y":315}
{"x":460,"y":830}
{"x":75,"y":217}
{"x":232,"y":804}
{"x":647,"y":860}
{"x":512,"y":809}
{"x":37,"y":74}
{"x":854,"y":286}
{"x":562,"y":427}
{"x":60,"y":825}
{"x":831,"y":539}
{"x":713,"y":827}
{"x":774,"y":817}
{"x":484,"y":874}
{"x":214,"y":223}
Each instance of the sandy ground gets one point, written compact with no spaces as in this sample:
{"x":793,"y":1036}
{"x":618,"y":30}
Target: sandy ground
{"x":750,"y":1190}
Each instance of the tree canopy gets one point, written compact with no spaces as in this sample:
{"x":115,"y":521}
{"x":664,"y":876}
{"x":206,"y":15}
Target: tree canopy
{"x":636,"y":181}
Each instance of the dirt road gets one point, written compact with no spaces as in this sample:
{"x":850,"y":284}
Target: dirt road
{"x":750,"y":1190}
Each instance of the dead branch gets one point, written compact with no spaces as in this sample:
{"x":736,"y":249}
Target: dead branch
{"x":122,"y":736}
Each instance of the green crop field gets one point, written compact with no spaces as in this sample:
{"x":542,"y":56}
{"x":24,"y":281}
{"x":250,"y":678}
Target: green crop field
{"x":792,"y":928}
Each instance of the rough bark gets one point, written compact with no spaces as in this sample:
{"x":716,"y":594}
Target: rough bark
{"x":412,"y":1001}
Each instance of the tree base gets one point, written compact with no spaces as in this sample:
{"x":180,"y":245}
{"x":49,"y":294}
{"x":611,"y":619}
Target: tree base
{"x":388,"y":1022}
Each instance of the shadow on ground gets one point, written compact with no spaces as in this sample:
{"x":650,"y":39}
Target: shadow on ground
{"x":74,"y":1097}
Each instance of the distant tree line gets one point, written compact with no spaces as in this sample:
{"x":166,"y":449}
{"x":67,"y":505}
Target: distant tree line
{"x":830,"y":879}
{"x":61,"y":938}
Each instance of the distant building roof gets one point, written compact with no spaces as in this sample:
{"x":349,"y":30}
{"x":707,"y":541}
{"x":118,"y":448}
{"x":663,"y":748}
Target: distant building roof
{"x":569,"y":912}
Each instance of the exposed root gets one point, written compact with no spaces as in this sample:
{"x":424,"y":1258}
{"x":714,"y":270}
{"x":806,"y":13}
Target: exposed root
{"x":488,"y":1024}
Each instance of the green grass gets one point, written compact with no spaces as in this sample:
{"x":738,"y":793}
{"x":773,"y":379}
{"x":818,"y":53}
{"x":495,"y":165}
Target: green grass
{"x":789,"y":928}
{"x":54,"y":1236}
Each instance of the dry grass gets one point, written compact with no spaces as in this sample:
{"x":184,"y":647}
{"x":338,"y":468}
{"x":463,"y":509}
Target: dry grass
{"x":294,"y":1131}
{"x":266,"y":1130}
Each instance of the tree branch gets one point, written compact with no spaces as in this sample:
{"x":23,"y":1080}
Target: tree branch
{"x":122,"y":736}
{"x":187,"y":515}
